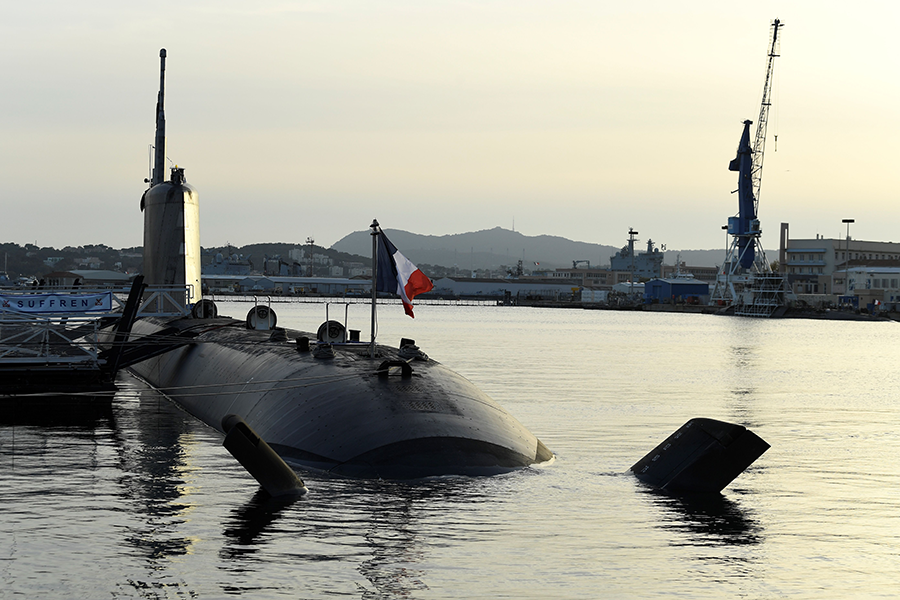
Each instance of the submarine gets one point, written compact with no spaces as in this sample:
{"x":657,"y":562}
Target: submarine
{"x":323,"y":401}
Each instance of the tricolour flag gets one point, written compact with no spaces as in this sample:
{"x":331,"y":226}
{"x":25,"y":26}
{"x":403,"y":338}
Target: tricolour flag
{"x":399,"y":276}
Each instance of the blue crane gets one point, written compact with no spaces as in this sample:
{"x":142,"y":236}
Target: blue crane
{"x":749,"y":163}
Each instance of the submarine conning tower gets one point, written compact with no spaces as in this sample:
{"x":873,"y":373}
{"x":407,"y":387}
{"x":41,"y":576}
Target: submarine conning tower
{"x":172,"y":235}
{"x":171,"y":217}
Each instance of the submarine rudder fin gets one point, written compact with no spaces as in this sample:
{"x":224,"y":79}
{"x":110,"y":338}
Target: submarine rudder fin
{"x":258,"y":458}
{"x":702,"y":456}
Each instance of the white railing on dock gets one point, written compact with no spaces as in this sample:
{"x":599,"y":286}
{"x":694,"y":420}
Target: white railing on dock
{"x":278,"y":299}
{"x":163,"y":302}
{"x":59,"y":337}
{"x":159,"y":301}
{"x":46,"y":340}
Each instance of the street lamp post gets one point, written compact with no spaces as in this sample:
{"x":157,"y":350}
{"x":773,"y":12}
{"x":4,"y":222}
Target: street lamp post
{"x":725,"y":229}
{"x":847,"y":258}
{"x":631,"y":234}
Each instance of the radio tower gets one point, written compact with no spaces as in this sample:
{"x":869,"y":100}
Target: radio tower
{"x":746,"y":281}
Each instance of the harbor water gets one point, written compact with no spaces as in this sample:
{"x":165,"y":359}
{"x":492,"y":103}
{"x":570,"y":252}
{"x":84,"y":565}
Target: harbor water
{"x":140,"y":500}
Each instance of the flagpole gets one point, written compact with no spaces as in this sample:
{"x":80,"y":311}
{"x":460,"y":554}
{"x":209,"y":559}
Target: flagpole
{"x":374,"y":234}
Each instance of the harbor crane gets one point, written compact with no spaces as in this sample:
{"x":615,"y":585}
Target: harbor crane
{"x":746,"y":280}
{"x":759,"y":144}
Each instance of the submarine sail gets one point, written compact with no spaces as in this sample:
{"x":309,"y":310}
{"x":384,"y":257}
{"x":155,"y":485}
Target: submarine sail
{"x":356,"y":409}
{"x":171,"y":217}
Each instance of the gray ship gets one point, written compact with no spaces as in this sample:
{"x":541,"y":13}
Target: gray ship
{"x":320,"y":400}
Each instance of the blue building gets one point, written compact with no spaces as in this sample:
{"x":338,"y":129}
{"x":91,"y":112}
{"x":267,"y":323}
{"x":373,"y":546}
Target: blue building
{"x":676,"y":290}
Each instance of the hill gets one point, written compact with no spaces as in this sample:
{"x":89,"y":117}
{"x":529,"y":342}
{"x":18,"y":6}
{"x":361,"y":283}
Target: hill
{"x":486,"y":249}
{"x":491,"y":248}
{"x":478,"y":250}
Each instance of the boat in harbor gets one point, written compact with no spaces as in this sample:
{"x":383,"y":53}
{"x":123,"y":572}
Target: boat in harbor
{"x":321,"y":399}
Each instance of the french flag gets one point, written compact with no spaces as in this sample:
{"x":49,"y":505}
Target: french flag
{"x":399,"y":276}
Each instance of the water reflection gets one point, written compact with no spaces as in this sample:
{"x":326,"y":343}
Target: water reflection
{"x":138,"y":455}
{"x":113,"y":467}
{"x":151,"y":460}
{"x":706,"y":520}
{"x":397,"y":552}
{"x":245,"y":526}
{"x":744,"y":356}
{"x":377,"y":527}
{"x":74,"y":411}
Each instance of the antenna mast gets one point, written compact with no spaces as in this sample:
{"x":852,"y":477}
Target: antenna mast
{"x":759,"y":145}
{"x":159,"y":163}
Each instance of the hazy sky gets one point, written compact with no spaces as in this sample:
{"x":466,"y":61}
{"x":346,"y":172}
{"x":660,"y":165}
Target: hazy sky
{"x":580,"y":119}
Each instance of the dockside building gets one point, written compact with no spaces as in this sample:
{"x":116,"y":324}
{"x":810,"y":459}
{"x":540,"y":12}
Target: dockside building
{"x":821,"y":265}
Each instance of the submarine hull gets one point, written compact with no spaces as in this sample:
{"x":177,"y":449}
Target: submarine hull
{"x":342,"y":415}
{"x":344,"y":412}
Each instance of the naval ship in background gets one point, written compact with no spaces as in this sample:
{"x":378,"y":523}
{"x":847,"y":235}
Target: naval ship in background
{"x":321,"y":400}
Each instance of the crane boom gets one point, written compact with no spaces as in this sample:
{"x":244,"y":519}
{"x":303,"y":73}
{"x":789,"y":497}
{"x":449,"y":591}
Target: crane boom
{"x":759,"y":145}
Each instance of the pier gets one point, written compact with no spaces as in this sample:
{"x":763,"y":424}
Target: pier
{"x":58,"y":341}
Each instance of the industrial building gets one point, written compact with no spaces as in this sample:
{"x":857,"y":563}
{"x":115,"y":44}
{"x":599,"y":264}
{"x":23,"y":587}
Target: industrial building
{"x":677,"y":290}
{"x":512,"y":289}
{"x":875,"y":287}
{"x":88,"y":278}
{"x":820,"y":265}
{"x":587,"y":277}
{"x":453,"y":287}
{"x":273,"y":285}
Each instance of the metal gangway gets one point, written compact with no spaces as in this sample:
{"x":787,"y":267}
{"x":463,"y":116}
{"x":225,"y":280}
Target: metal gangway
{"x":52,"y":329}
{"x":765,"y":297}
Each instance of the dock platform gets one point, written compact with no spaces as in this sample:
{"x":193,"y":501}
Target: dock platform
{"x":63,"y":341}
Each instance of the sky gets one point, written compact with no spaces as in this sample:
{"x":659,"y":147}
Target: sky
{"x":298,"y":120}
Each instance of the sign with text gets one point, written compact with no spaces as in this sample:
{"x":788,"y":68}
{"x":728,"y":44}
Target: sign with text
{"x":56,"y":303}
